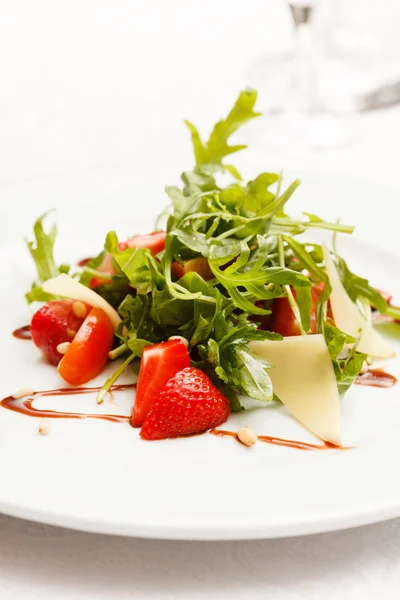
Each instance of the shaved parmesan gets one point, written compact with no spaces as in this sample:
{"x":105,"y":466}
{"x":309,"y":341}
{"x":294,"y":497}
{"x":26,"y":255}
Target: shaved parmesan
{"x":304,"y":380}
{"x":63,"y":285}
{"x":348,"y":318}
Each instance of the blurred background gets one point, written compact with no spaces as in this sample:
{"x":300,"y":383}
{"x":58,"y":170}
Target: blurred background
{"x":94,"y":93}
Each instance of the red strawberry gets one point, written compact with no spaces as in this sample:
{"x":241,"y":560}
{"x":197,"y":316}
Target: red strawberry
{"x":159,"y":363}
{"x":188,"y":404}
{"x":54,"y":323}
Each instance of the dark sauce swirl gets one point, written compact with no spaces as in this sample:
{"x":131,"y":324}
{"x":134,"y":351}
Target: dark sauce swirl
{"x":25,"y":405}
{"x":276,"y":441}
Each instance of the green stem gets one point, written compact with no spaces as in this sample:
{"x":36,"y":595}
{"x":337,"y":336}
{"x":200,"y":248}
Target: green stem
{"x":113,"y":378}
{"x":96,"y":273}
{"x":230,"y":232}
{"x":117,"y":351}
{"x":291,"y":223}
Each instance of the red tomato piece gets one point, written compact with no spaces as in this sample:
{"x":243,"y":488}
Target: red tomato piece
{"x":159,"y":363}
{"x":198,"y":265}
{"x":88,"y":352}
{"x":283,"y":320}
{"x":155,"y":241}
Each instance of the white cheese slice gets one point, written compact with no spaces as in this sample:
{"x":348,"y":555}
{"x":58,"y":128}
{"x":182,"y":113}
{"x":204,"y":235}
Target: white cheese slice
{"x":304,"y":380}
{"x":63,"y":285}
{"x":349,"y":319}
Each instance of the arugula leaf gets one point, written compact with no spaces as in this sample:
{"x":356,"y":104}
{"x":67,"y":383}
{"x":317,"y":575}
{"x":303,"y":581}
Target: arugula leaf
{"x":217,"y":148}
{"x":306,"y":259}
{"x":136,"y":264}
{"x":237,"y":365}
{"x":135,"y":314}
{"x":357,"y":287}
{"x":346,"y":369}
{"x":201,"y":179}
{"x":42,"y":252}
{"x":242,"y":279}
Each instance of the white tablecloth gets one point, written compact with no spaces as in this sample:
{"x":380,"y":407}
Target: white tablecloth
{"x":37,"y":561}
{"x":92,"y":99}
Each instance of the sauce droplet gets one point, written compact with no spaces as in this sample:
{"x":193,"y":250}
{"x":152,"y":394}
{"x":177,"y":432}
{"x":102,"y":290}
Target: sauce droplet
{"x":23,"y":333}
{"x":84,"y":261}
{"x":376,"y":378}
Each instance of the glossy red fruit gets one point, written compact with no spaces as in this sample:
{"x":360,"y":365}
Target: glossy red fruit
{"x":155,"y":241}
{"x":87,"y":355}
{"x":282,"y":319}
{"x":159,"y":363}
{"x":52,"y":324}
{"x":188,"y":404}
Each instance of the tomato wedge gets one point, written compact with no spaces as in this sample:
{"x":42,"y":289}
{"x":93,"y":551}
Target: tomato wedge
{"x":282,"y":319}
{"x":198,"y":265}
{"x":155,"y":241}
{"x":159,"y":363}
{"x":88,"y":352}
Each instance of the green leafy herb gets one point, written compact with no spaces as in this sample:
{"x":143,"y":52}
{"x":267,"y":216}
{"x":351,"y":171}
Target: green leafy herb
{"x":42,"y":252}
{"x":217,"y":148}
{"x":347,"y":368}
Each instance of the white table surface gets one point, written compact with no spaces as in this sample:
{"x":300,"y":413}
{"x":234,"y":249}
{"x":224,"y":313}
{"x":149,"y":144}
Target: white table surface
{"x":91,"y":105}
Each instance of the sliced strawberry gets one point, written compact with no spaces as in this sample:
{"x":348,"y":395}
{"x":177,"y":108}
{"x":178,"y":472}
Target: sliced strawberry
{"x":159,"y":363}
{"x":188,"y":404}
{"x":198,"y":265}
{"x":155,"y":241}
{"x":52,"y":324}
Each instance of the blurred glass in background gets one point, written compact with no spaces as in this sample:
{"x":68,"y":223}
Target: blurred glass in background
{"x":344,"y":59}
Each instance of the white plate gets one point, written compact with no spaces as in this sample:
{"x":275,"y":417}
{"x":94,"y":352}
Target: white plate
{"x":100,"y":476}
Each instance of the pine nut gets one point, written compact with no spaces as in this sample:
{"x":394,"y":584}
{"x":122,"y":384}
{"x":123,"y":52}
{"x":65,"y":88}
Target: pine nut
{"x":71,"y":333}
{"x":22,"y":392}
{"x":63,"y":347}
{"x":44,"y":427}
{"x":79,"y":309}
{"x":247,"y":436}
{"x":181,"y":338}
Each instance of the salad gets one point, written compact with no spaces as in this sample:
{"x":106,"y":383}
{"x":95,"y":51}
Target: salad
{"x":226,"y":298}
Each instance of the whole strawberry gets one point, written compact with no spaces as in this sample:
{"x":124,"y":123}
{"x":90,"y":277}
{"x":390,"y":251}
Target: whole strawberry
{"x":55,"y":323}
{"x":189,"y":403}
